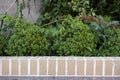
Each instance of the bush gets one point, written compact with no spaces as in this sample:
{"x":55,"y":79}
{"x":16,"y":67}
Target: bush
{"x":7,"y":23}
{"x":111,"y":45}
{"x":107,"y":7}
{"x":74,"y":38}
{"x":2,"y":43}
{"x":27,"y":40}
{"x":52,"y":10}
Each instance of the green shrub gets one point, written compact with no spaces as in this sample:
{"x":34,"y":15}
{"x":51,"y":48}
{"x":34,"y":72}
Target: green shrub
{"x":111,"y":45}
{"x":74,"y":38}
{"x":107,"y":7}
{"x":2,"y":43}
{"x":52,"y":10}
{"x":27,"y":40}
{"x":6,"y":26}
{"x":108,"y":34}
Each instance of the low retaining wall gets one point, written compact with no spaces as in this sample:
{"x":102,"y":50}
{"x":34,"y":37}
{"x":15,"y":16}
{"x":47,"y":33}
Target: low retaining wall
{"x":60,"y":66}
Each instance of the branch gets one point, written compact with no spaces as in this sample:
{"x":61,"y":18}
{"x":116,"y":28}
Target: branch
{"x":62,"y":18}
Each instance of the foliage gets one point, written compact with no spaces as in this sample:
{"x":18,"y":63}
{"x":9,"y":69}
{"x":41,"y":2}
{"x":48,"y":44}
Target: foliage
{"x":108,"y":33}
{"x":6,"y":28}
{"x":7,"y":23}
{"x":2,"y":43}
{"x":115,"y":9}
{"x":74,"y":38}
{"x":53,"y":9}
{"x":111,"y":45}
{"x":27,"y":40}
{"x":82,"y":33}
{"x":100,"y":27}
{"x":71,"y":37}
{"x":82,"y":7}
{"x":107,"y":7}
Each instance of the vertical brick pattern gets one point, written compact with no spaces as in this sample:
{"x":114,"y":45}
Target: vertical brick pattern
{"x":117,"y":67}
{"x":52,"y":67}
{"x":108,"y":67}
{"x":24,"y":67}
{"x":15,"y":70}
{"x":90,"y":67}
{"x":43,"y":67}
{"x":99,"y":68}
{"x":5,"y":67}
{"x":33,"y":67}
{"x":80,"y":67}
{"x":71,"y":67}
{"x":59,"y":66}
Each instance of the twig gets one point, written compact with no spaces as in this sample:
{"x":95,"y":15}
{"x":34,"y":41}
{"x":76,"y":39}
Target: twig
{"x":10,"y":6}
{"x":62,"y":18}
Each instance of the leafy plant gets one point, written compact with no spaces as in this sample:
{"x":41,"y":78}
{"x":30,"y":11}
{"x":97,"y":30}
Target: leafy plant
{"x":102,"y":25}
{"x":6,"y":29}
{"x":82,"y":7}
{"x":7,"y":24}
{"x":108,"y":37}
{"x":74,"y":38}
{"x":104,"y":7}
{"x":55,"y":9}
{"x":27,"y":40}
{"x":2,"y":43}
{"x":111,"y":44}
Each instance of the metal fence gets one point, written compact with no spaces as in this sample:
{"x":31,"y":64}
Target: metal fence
{"x":9,"y":6}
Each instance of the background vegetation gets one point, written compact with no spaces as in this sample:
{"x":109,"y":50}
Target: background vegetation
{"x":64,"y":28}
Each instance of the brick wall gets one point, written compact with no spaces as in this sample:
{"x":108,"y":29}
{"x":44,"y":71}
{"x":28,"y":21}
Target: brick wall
{"x":59,"y":66}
